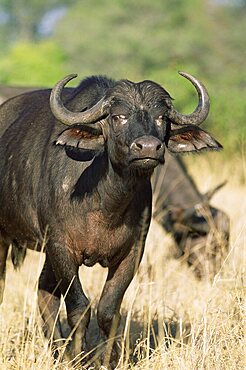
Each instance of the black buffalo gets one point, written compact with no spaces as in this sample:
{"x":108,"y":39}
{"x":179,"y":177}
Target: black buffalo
{"x":200,"y":231}
{"x":79,"y":178}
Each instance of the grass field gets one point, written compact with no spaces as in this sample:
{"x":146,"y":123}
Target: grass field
{"x":171,"y":320}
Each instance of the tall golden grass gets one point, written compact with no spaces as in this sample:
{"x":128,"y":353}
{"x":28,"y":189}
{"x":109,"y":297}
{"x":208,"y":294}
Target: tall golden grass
{"x":170,"y":320}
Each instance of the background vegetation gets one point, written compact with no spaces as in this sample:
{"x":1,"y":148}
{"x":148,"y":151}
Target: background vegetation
{"x":40,"y":41}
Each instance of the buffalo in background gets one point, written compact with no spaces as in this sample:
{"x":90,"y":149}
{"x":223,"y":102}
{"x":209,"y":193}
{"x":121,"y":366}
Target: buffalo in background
{"x":200,"y":231}
{"x":75,"y":170}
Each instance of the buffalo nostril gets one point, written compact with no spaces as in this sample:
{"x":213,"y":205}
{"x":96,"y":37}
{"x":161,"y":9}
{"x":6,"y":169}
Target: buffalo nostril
{"x":139,"y":146}
{"x":158,"y":147}
{"x":136,"y":146}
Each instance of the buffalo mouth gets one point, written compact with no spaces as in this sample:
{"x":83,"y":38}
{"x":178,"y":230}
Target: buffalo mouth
{"x":145,"y":162}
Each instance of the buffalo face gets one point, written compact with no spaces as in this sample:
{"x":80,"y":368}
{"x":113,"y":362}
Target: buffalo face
{"x":133,"y":123}
{"x":135,"y":127}
{"x":202,"y":237}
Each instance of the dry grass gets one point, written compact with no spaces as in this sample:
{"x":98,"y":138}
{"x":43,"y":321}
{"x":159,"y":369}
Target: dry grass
{"x":170,"y":319}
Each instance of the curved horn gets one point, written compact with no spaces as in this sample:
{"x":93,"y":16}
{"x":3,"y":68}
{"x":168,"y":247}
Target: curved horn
{"x":210,"y":193}
{"x":72,"y":118}
{"x":202,"y":109}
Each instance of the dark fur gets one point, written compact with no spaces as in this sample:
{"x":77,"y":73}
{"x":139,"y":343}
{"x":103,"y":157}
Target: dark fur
{"x":89,"y":198}
{"x":201,"y":231}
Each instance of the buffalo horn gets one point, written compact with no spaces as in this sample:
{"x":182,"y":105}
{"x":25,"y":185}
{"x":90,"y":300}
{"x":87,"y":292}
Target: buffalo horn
{"x":69,"y":118}
{"x":202,"y":109}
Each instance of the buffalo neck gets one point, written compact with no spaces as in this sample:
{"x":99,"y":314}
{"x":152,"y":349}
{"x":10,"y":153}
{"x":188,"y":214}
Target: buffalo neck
{"x":119,"y":189}
{"x":111,"y":190}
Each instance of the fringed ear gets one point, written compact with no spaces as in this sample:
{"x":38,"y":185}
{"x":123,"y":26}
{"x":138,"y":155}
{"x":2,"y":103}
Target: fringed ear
{"x":190,"y":138}
{"x":80,"y":138}
{"x":81,"y":144}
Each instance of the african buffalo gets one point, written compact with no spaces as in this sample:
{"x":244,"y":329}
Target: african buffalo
{"x":200,"y":231}
{"x":79,"y":177}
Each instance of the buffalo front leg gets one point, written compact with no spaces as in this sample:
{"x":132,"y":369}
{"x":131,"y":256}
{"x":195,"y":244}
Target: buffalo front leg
{"x":3,"y":256}
{"x":118,"y":280}
{"x":77,"y":305}
{"x":49,"y":296}
{"x":108,"y":313}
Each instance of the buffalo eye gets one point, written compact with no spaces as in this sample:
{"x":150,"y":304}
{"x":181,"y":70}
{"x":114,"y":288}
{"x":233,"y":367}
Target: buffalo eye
{"x":159,"y":121}
{"x":119,"y":119}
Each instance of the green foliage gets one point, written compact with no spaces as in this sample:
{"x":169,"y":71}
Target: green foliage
{"x":39,"y":64}
{"x":129,"y":38}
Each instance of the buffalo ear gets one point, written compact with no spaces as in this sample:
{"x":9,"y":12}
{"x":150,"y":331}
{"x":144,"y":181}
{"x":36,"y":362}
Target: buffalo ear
{"x":81,"y":139}
{"x":190,"y":138}
{"x":81,"y":144}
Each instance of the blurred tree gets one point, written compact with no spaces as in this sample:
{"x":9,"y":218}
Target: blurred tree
{"x":39,"y":64}
{"x":132,"y":38}
{"x":20,"y":20}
